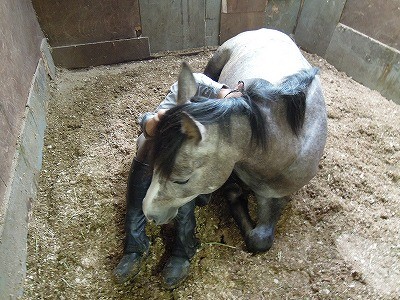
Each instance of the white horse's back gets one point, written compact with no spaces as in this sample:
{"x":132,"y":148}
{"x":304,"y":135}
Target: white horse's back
{"x":264,"y":53}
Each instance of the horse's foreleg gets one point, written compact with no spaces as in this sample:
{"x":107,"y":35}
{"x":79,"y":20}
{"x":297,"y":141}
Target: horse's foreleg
{"x":238,"y":207}
{"x":260,"y":238}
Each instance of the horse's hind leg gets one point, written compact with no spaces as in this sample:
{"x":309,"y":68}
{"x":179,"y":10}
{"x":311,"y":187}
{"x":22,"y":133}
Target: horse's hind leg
{"x":216,"y":63}
{"x":260,"y":238}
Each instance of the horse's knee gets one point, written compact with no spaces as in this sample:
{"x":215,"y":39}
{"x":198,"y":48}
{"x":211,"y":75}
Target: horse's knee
{"x":260,"y":239}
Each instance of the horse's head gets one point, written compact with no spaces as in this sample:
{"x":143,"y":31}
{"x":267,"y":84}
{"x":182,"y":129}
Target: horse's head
{"x":186,"y":158}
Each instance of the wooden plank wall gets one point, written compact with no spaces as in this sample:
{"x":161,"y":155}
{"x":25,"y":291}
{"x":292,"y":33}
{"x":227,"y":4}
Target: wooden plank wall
{"x":317,"y":23}
{"x":108,"y":27}
{"x":375,"y":18}
{"x":173,"y":25}
{"x":283,"y":15}
{"x":241,"y":15}
{"x":86,"y":33}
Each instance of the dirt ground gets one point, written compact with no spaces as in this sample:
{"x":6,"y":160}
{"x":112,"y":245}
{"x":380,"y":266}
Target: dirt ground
{"x":339,"y":238}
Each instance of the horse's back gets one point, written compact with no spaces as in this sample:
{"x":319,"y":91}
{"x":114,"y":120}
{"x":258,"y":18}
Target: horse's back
{"x":264,"y":53}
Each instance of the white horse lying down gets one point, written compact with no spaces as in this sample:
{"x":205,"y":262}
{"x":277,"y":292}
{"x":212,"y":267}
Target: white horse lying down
{"x":272,"y":137}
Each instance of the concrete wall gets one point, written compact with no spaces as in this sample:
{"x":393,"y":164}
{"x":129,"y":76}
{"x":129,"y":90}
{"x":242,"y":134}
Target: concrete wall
{"x":23,"y":91}
{"x":21,"y":37}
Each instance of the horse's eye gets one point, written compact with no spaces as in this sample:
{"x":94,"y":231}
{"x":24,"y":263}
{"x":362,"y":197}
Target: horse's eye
{"x":181,"y":182}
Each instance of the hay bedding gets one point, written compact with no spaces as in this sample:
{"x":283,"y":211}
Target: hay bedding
{"x":338,"y":238}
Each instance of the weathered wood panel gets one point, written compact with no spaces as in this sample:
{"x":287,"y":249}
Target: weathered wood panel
{"x":235,"y":23}
{"x":87,"y":21}
{"x":317,"y":23}
{"x":70,"y":24}
{"x":282,"y":15}
{"x":213,"y":13}
{"x":102,"y":53}
{"x":241,"y":6}
{"x":173,"y":25}
{"x":238,"y":16}
{"x":375,"y":18}
{"x":368,"y":61}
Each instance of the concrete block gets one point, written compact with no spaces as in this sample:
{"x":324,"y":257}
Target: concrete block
{"x":13,"y":240}
{"x":38,"y":98}
{"x":368,"y":61}
{"x":48,"y":59}
{"x":22,"y":189}
{"x":317,"y":23}
{"x":282,"y":15}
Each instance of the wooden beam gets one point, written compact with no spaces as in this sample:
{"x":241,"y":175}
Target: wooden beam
{"x":101,"y":53}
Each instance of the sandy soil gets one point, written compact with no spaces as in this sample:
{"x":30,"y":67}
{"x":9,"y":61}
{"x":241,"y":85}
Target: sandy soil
{"x":338,"y":238}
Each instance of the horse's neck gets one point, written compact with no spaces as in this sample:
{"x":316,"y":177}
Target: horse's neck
{"x":237,"y":143}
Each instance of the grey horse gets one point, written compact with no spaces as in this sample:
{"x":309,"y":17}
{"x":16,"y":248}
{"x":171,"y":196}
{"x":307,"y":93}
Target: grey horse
{"x":271,"y":136}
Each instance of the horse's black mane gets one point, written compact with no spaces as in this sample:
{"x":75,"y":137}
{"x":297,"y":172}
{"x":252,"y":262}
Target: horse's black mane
{"x":169,"y":137}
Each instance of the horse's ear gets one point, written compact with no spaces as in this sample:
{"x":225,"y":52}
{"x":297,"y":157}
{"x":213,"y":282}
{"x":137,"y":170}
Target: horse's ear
{"x":187,"y":86}
{"x":193,"y":129}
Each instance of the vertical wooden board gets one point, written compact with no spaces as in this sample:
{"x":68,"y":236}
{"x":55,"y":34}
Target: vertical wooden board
{"x":238,"y":16}
{"x":213,"y":13}
{"x":282,"y":15}
{"x":241,"y":6}
{"x":194,"y":23}
{"x":173,"y":25}
{"x":368,"y":61}
{"x":375,"y":18}
{"x":317,"y":23}
{"x":233,"y":24}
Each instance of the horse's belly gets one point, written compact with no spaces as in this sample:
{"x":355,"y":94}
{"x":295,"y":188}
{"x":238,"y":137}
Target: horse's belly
{"x":278,"y":184}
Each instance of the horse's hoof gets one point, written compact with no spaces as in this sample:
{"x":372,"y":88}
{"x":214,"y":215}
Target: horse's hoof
{"x":259,"y":239}
{"x":128,"y":267}
{"x":175,"y":271}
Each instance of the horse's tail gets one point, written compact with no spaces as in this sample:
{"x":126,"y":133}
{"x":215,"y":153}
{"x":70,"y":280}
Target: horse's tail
{"x":293,"y":90}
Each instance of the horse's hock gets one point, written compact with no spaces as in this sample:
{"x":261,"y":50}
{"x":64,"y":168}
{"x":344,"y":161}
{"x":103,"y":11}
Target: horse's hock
{"x":349,"y":34}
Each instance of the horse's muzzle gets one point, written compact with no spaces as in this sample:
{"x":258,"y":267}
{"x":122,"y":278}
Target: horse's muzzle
{"x":163,"y":217}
